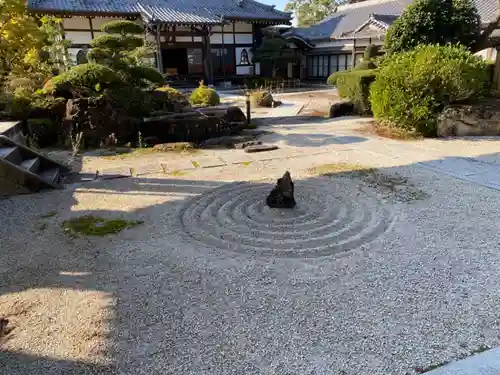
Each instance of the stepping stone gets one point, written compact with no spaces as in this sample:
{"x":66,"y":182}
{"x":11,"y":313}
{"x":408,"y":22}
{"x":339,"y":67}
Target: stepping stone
{"x":261,"y":148}
{"x":247,"y":144}
{"x":112,"y":173}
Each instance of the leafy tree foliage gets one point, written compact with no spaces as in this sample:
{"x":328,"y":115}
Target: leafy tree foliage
{"x":123,"y":50}
{"x":274,"y":50}
{"x":310,"y":12}
{"x":435,"y":22}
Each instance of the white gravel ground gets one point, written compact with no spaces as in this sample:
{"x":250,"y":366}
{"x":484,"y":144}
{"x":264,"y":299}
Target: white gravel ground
{"x":163,"y":298}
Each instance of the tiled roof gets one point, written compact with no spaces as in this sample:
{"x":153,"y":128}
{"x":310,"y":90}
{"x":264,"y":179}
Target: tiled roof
{"x":349,"y":17}
{"x":174,"y":11}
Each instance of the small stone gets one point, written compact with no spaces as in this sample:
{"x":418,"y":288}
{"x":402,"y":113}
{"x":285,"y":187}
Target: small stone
{"x":282,"y":194}
{"x":260,"y":148}
{"x":341,"y":109}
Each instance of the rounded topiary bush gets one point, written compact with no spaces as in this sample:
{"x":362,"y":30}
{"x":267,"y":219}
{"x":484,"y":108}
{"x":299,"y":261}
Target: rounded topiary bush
{"x":411,"y":88}
{"x":204,"y":96}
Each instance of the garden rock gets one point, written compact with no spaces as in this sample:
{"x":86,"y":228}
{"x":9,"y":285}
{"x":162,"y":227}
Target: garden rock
{"x":97,"y":118}
{"x":247,"y":144}
{"x":175,"y":146}
{"x":340,"y":109}
{"x":227,"y":141}
{"x":262,"y":99}
{"x":470,"y":120}
{"x":282,"y":194}
{"x":260,"y":148}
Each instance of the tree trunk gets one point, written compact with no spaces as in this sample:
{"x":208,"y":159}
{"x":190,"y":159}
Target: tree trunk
{"x":496,"y":72}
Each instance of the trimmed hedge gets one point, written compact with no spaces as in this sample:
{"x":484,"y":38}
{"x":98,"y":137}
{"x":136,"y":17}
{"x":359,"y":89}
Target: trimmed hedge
{"x":355,"y":85}
{"x":413,"y":87}
{"x":91,"y":76}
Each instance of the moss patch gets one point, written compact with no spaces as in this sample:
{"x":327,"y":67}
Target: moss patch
{"x":391,"y":185}
{"x":145,"y":151}
{"x":195,"y":164}
{"x":178,"y":173}
{"x":48,"y":214}
{"x":339,"y":168}
{"x":97,"y":226}
{"x":386,"y":130}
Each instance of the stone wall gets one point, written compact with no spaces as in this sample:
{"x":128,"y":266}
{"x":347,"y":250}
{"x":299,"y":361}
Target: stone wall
{"x":467,"y":120}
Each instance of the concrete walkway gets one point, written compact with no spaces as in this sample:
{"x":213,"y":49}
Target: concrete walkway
{"x":474,"y":159}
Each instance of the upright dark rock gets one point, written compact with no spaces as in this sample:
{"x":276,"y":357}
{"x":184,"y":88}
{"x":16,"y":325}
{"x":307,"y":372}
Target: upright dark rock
{"x":282,"y":194}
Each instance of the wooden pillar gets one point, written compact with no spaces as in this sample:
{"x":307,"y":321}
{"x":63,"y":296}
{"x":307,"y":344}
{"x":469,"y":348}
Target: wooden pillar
{"x":159,"y":57}
{"x":207,"y":57}
{"x":353,"y":54}
{"x":496,"y":72}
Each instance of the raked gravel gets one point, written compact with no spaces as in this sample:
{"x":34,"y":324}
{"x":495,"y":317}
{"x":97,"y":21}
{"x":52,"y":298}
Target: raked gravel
{"x":156,"y":300}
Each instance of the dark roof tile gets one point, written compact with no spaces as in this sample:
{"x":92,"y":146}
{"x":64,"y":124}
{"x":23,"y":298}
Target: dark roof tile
{"x":175,"y":11}
{"x":349,"y":17}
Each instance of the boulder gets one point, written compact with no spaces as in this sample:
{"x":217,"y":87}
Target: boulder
{"x":262,"y":98}
{"x":282,"y":194}
{"x":340,"y":109}
{"x":260,"y":148}
{"x":479,"y":119}
{"x":97,"y":119}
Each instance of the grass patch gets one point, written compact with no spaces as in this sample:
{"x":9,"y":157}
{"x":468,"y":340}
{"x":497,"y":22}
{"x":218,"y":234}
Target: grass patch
{"x":181,"y":147}
{"x":97,"y":226}
{"x":49,"y":214}
{"x":339,"y":168}
{"x":251,"y":126}
{"x":387,"y":130}
{"x":178,"y":173}
{"x":388,"y":185}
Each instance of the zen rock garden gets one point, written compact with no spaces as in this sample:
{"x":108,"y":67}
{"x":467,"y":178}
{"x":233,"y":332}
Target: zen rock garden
{"x":195,"y":189}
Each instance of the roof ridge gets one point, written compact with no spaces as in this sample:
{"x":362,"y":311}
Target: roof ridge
{"x":361,"y":4}
{"x":266,"y":6}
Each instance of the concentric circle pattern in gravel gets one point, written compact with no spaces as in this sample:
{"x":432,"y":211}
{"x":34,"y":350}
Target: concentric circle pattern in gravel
{"x":330,"y":217}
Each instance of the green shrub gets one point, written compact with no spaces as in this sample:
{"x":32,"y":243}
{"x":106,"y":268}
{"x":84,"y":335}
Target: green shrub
{"x":136,"y":102}
{"x":365,"y":65}
{"x":44,"y":132}
{"x":371,"y":51}
{"x":204,"y":96}
{"x":173,"y":93}
{"x":261,"y":98}
{"x":412,"y":87}
{"x":94,"y":77}
{"x":355,"y":85}
{"x":332,"y":78}
{"x":142,"y":75}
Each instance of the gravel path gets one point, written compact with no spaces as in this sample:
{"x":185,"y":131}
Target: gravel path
{"x":357,"y":280}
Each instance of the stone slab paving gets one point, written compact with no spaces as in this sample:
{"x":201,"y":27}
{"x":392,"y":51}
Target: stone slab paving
{"x":486,"y":363}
